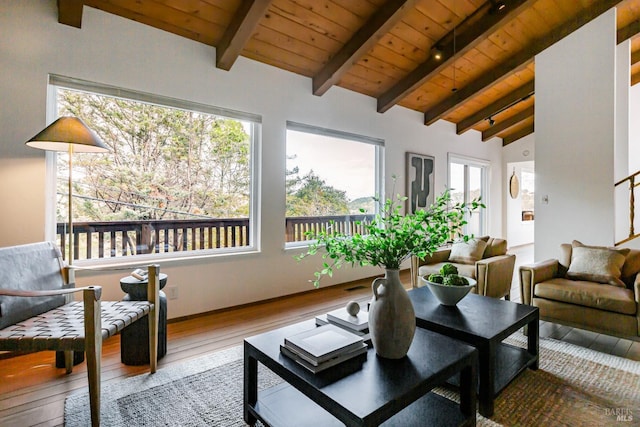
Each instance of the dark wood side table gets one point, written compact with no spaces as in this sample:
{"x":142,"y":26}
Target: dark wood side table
{"x":380,"y":392}
{"x":134,"y":339}
{"x":484,"y":323}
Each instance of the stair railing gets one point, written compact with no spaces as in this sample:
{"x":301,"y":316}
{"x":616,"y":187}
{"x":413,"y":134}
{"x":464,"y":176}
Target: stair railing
{"x":632,"y":205}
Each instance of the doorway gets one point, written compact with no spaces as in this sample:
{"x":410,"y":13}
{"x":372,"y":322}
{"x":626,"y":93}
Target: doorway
{"x":520,"y":203}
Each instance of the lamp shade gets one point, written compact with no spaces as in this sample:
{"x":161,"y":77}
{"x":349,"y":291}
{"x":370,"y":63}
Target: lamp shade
{"x":68,"y":130}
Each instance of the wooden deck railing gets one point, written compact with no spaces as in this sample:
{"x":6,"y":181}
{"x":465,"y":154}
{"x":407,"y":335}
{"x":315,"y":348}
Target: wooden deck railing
{"x":124,"y":238}
{"x":113,"y":239}
{"x":296,"y":227}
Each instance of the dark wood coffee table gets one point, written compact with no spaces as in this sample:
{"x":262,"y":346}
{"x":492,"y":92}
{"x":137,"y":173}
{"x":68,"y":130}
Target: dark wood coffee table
{"x":379,"y":392}
{"x":484,"y":323}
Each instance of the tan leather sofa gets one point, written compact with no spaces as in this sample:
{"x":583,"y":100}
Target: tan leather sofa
{"x":493,"y":271}
{"x":584,"y":304}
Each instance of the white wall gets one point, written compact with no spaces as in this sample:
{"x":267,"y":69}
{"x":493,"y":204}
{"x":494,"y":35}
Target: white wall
{"x":119,"y":52}
{"x":621,"y":148}
{"x":623,"y":77}
{"x":634,"y":151}
{"x":575,"y":135}
{"x":634,"y":128}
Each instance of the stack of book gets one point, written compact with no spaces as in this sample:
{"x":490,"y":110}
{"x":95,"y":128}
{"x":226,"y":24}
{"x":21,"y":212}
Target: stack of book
{"x":358,"y":324}
{"x":323,"y":347}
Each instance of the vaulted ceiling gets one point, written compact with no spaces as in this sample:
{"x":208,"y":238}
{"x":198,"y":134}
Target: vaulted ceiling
{"x":470,"y":62}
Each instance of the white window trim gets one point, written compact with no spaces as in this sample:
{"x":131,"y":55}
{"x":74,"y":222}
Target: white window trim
{"x":473,"y":161}
{"x":378,"y":161}
{"x":57,"y":81}
{"x":149,"y":98}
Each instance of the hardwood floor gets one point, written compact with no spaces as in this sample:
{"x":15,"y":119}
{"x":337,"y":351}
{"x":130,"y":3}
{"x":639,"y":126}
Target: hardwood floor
{"x":32,"y":390}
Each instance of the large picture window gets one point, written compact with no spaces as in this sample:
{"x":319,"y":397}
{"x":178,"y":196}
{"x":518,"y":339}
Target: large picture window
{"x":332,"y":178}
{"x":178,"y":179}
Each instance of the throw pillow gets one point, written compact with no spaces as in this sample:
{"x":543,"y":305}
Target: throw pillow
{"x":467,"y":252}
{"x":495,"y":247}
{"x":597,"y":264}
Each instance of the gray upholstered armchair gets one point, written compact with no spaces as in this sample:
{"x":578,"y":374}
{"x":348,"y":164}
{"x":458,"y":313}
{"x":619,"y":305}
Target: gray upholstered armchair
{"x":484,"y":259}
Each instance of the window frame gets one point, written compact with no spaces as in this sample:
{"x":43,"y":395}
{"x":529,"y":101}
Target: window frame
{"x":485,"y":167}
{"x":378,"y":143}
{"x":57,"y":82}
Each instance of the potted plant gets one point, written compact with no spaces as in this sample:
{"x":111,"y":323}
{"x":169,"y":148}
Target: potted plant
{"x":390,"y":238}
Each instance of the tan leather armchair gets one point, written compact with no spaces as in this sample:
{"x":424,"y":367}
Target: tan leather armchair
{"x":582,"y":303}
{"x":493,"y":271}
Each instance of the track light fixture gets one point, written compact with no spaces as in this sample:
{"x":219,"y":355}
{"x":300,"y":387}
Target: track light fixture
{"x":437,"y":53}
{"x":506,"y":107}
{"x":497,"y":6}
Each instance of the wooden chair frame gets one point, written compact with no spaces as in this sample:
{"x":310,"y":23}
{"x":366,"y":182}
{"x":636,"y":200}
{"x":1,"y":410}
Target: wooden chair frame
{"x":94,"y":330}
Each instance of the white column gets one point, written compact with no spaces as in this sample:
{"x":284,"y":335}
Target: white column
{"x":622,"y":153}
{"x":575,"y":138}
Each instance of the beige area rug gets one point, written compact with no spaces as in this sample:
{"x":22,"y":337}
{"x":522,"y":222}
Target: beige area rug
{"x":573,"y":387}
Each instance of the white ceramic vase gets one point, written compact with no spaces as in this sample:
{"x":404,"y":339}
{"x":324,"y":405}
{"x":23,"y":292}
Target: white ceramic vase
{"x":392,"y":320}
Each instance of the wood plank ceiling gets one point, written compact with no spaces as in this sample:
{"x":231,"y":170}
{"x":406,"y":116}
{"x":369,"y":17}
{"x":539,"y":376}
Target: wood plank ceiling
{"x":470,"y":62}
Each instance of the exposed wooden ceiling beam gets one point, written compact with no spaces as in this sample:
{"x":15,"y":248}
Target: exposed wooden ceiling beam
{"x":501,"y":104}
{"x":507,"y":123}
{"x":362,"y":42}
{"x":628,"y":31}
{"x":517,"y":135}
{"x":70,"y":12}
{"x":517,"y":61}
{"x":473,"y":30}
{"x":635,"y":57}
{"x":239,"y":31}
{"x":635,"y":79}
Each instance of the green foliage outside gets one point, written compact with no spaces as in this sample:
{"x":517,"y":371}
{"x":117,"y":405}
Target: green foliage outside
{"x":311,"y":196}
{"x":165,"y":163}
{"x":362,"y":204}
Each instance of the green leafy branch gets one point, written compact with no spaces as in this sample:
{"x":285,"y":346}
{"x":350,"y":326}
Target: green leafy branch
{"x":391,"y":237}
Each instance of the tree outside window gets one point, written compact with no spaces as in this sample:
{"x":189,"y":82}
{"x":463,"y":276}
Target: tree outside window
{"x":175,"y":179}
{"x":331,"y":179}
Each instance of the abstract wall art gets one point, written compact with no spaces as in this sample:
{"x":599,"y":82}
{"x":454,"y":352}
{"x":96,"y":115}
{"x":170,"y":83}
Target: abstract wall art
{"x":420,"y":181}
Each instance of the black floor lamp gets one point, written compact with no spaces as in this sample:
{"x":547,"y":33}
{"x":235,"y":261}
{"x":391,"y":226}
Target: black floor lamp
{"x":70,"y":135}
